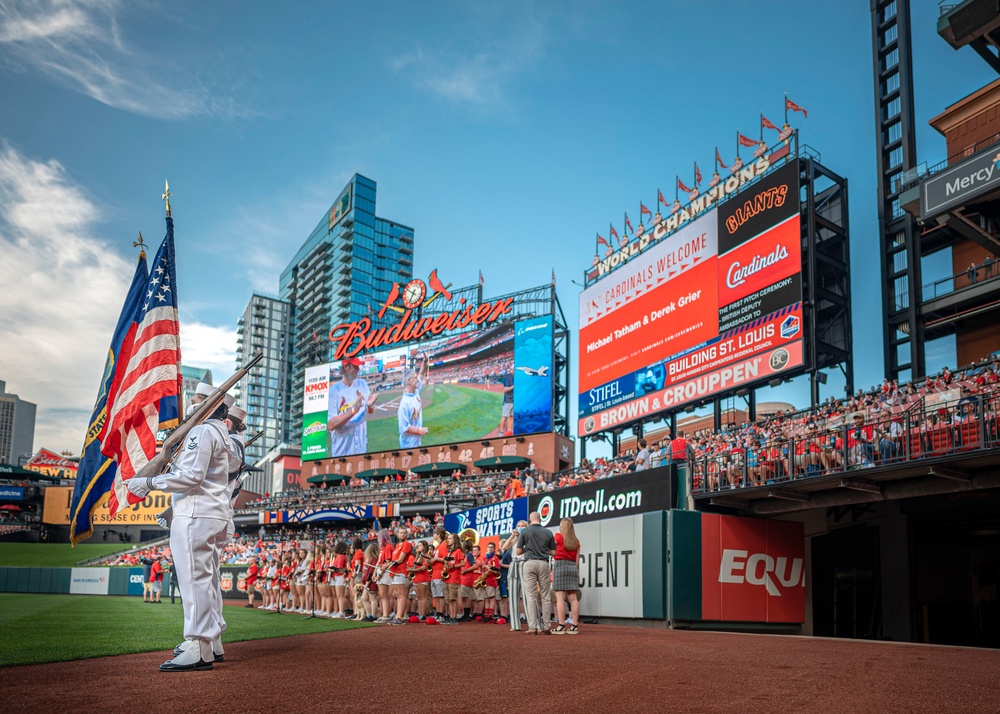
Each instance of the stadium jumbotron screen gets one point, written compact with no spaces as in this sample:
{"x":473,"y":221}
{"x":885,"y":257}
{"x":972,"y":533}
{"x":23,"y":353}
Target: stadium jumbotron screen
{"x":711,"y":307}
{"x":492,"y":382}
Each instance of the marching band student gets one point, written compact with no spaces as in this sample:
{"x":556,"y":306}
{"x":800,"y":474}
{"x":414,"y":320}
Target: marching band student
{"x":453,"y":583}
{"x":270,"y":584}
{"x":384,"y":578}
{"x":369,"y":596}
{"x":340,"y":578}
{"x":303,"y":585}
{"x":466,"y":591}
{"x":324,"y":588}
{"x":400,"y":587}
{"x":284,"y":586}
{"x":491,"y":563}
{"x":411,"y":601}
{"x":439,"y":555}
{"x":357,"y":560}
{"x":422,"y":577}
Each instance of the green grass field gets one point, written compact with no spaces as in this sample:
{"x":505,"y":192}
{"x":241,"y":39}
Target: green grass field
{"x":452,"y":413}
{"x":58,"y":628}
{"x":52,"y":555}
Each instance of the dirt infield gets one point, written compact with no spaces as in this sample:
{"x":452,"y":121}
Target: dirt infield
{"x":605,"y":668}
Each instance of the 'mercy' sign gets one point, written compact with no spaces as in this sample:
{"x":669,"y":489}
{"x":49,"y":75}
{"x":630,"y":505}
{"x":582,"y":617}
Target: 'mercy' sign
{"x":960,"y":183}
{"x":719,"y":189}
{"x":353,"y":338}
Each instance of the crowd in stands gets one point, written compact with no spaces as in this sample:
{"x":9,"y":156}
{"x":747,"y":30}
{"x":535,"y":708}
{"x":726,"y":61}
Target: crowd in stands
{"x":474,"y":490}
{"x":934,"y":416}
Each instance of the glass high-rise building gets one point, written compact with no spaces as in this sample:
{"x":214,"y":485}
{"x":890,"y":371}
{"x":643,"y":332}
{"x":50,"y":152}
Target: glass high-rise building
{"x":17,"y":427}
{"x":342,"y":273}
{"x":265,"y":327}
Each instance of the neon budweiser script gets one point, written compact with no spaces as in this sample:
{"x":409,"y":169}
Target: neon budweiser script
{"x":352,"y":338}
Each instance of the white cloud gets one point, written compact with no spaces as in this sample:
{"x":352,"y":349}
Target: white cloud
{"x":61,"y":290}
{"x":79,"y":44}
{"x":479,"y":77}
{"x":209,"y":347}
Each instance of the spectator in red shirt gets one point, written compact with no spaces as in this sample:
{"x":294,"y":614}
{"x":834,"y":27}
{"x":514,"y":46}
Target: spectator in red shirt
{"x":251,"y":580}
{"x":566,"y":578}
{"x":156,"y":580}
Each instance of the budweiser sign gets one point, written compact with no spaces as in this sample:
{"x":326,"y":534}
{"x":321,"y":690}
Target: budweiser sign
{"x":353,"y":338}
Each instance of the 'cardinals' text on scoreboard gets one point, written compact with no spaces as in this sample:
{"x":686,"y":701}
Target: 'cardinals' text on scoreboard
{"x":714,"y":306}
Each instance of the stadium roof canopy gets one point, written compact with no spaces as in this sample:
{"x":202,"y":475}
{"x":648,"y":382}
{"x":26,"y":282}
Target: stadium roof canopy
{"x":442,"y":467}
{"x":503,"y":463}
{"x":327,"y":478}
{"x":379,"y":473}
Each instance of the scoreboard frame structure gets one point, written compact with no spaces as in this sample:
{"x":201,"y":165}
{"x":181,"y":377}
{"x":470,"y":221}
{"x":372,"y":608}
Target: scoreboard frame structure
{"x":826,"y":295}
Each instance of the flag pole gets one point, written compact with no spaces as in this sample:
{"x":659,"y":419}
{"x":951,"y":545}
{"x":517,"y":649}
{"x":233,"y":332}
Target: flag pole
{"x":141,"y":246}
{"x":166,"y":195}
{"x":786,"y":107}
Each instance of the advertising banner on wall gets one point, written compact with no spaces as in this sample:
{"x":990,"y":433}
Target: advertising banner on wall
{"x":622,"y":566}
{"x":89,"y":581}
{"x":11,"y":493}
{"x":623,"y":495}
{"x":732,"y":569}
{"x":711,"y":307}
{"x":314,"y":412}
{"x":333,"y":513}
{"x":57,"y":503}
{"x":533,"y":355}
{"x":494,"y":520}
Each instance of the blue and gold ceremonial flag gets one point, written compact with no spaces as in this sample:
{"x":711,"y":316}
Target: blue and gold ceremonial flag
{"x":147,"y":379}
{"x":97,"y":471}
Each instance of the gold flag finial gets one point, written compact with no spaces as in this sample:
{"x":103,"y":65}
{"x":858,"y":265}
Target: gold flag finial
{"x":141,"y":246}
{"x":166,"y":195}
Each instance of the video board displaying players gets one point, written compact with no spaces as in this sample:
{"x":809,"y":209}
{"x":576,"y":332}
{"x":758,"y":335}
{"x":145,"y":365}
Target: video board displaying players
{"x":713,"y":306}
{"x":492,"y":382}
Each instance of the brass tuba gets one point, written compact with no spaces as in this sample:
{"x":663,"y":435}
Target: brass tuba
{"x":470,"y":534}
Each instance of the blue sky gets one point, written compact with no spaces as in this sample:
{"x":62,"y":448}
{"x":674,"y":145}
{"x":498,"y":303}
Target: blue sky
{"x":506,"y":134}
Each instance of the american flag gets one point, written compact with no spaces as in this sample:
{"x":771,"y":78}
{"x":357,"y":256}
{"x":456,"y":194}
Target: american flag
{"x":147,"y":377}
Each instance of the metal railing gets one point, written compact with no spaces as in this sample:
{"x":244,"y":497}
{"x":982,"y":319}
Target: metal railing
{"x":967,"y":425}
{"x":988,"y":270}
{"x":910,"y":180}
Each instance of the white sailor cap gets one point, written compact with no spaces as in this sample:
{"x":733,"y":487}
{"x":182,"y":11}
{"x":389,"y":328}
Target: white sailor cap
{"x":238,"y":413}
{"x":229,"y":400}
{"x":204,"y":389}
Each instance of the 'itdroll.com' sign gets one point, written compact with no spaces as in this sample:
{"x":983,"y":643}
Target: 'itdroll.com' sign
{"x":625,"y":495}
